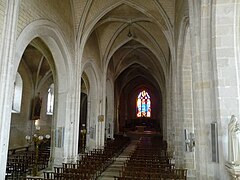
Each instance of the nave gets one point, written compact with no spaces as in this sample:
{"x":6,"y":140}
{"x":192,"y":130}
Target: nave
{"x":122,"y":158}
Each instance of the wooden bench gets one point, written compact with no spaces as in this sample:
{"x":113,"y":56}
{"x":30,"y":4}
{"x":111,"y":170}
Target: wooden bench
{"x":16,"y":149}
{"x":150,"y":161}
{"x":91,"y":164}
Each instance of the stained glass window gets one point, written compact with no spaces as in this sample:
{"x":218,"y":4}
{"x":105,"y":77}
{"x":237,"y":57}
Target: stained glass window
{"x":143,"y":104}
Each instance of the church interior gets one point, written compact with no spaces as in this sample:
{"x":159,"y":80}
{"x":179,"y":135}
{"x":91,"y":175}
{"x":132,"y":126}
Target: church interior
{"x":120,"y":89}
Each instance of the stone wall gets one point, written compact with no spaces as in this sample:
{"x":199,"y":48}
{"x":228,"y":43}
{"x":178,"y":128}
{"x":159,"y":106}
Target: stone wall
{"x":182,"y":97}
{"x":21,"y":125}
{"x":59,"y":13}
{"x":203,"y":92}
{"x":2,"y":11}
{"x":202,"y":86}
{"x":226,"y":68}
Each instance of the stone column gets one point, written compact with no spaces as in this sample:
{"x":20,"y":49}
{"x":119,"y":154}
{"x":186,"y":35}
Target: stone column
{"x":71,"y":120}
{"x":76,"y":104}
{"x":101,"y":122}
{"x":92,"y":122}
{"x":88,"y":125}
{"x":227,"y":62}
{"x":204,"y":107}
{"x":7,"y":77}
{"x":101,"y":131}
{"x":171,"y":107}
{"x":62,"y":130}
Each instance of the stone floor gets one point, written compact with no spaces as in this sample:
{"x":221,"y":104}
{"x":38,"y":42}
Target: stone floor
{"x":113,"y":170}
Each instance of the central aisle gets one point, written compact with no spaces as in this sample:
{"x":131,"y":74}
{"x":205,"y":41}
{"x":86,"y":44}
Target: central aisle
{"x":116,"y":166}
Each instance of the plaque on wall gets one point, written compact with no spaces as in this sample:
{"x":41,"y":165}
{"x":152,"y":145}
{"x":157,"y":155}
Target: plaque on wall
{"x":100,"y":118}
{"x":214,"y":138}
{"x":92,"y":132}
{"x":59,"y":137}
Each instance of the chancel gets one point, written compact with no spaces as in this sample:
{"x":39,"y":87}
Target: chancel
{"x":125,"y":89}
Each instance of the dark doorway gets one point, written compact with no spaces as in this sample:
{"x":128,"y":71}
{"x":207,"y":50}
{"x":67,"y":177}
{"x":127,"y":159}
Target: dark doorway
{"x":82,"y":124}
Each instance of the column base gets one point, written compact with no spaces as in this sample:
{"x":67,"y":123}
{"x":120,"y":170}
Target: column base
{"x":233,"y":170}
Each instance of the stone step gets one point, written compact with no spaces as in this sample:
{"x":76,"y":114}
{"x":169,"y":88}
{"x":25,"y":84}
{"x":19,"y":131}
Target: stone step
{"x":106,"y":178}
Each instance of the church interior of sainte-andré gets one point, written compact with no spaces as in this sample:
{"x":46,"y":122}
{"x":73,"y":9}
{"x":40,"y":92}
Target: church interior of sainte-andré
{"x":120,"y":89}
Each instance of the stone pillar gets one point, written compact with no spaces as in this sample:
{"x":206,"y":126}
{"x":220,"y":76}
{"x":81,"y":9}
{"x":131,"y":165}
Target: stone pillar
{"x":234,"y":171}
{"x":171,"y":107}
{"x":76,"y":106}
{"x":204,"y":107}
{"x":89,"y":129}
{"x":101,"y":122}
{"x":62,"y":130}
{"x":100,"y":131}
{"x":7,"y":77}
{"x":227,"y":62}
{"x":92,"y":122}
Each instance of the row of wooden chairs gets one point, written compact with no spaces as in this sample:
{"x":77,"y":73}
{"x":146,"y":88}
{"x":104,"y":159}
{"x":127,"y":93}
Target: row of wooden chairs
{"x":91,"y":164}
{"x":20,"y":163}
{"x":150,"y":161}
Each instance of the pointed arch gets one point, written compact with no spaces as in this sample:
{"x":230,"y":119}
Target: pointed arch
{"x":62,"y":70}
{"x":53,"y":38}
{"x":81,"y":40}
{"x":91,"y":72}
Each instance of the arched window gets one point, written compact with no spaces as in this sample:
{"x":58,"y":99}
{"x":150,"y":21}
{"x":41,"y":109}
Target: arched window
{"x":17,"y":94}
{"x":143,"y":104}
{"x":50,"y":100}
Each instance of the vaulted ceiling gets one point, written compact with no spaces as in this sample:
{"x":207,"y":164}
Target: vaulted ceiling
{"x":132,"y":35}
{"x":37,"y":60}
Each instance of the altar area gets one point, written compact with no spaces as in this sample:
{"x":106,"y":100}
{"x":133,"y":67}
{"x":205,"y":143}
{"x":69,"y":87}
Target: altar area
{"x":135,"y":135}
{"x":142,"y":124}
{"x":140,"y":128}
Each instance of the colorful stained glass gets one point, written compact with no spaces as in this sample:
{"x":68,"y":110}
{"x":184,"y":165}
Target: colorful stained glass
{"x":143,"y":105}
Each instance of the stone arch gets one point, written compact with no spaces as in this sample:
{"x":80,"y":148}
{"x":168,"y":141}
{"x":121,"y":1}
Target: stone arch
{"x":53,"y":38}
{"x":81,"y":40}
{"x":94,"y":72}
{"x":86,"y":82}
{"x":51,"y":35}
{"x":111,"y":50}
{"x":83,"y":109}
{"x":155,"y":53}
{"x":89,"y":69}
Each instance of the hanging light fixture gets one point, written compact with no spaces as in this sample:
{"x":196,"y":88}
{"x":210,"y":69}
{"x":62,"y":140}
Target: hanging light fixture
{"x":129,"y":31}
